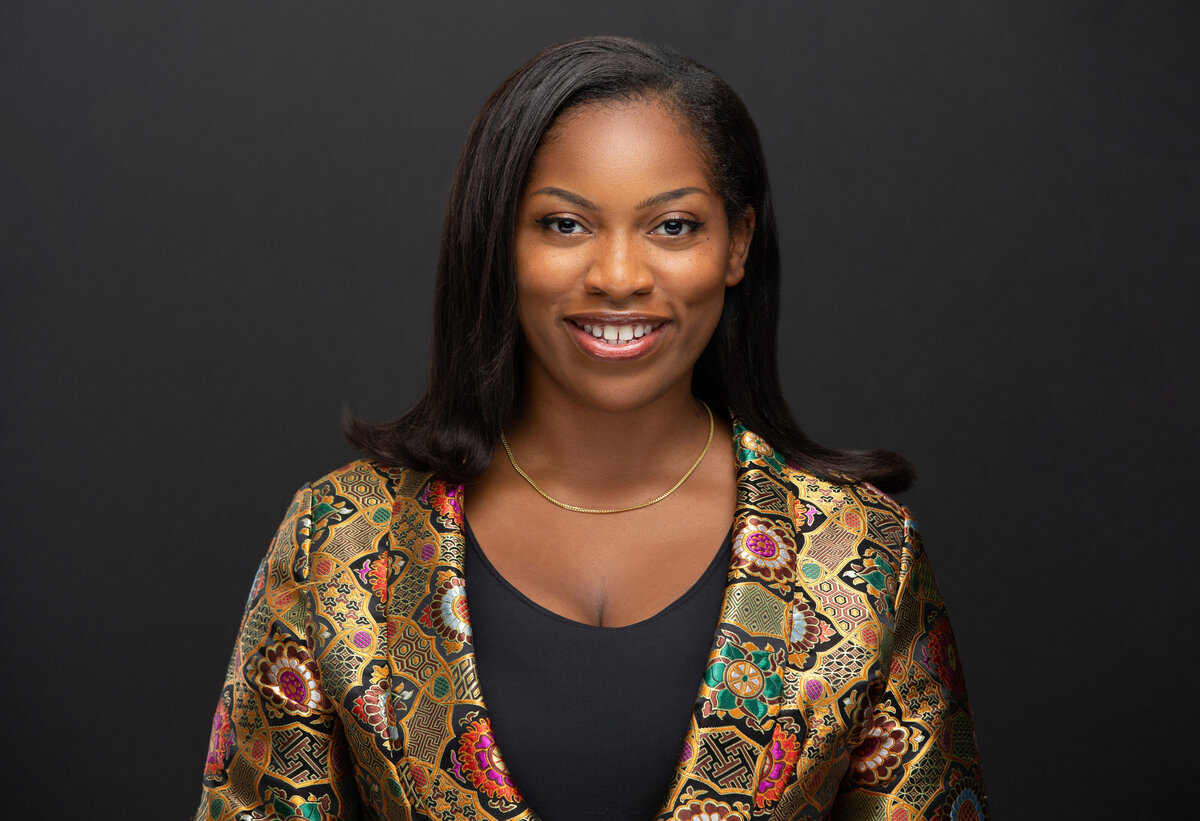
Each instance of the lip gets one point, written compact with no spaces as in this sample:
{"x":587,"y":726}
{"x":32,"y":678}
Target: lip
{"x":600,"y":350}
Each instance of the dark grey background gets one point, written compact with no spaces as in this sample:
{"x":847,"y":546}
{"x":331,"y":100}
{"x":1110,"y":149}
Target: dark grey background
{"x":219,"y":223}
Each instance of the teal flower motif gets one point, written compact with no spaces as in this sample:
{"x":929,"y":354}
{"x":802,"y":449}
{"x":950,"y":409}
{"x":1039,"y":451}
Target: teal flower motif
{"x":752,"y":447}
{"x":742,"y":678}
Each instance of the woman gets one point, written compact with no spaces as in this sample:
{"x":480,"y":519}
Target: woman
{"x":680,"y":606}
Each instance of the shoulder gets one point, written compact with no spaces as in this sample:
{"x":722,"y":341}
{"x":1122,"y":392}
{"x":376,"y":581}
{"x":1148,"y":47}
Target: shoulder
{"x":350,"y":509}
{"x":861,"y":509}
{"x":842,"y":517}
{"x":364,"y":486}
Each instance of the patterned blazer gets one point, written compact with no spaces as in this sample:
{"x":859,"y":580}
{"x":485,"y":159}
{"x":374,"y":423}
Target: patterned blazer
{"x":833,"y":687}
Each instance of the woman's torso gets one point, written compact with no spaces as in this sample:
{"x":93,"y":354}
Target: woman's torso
{"x":580,"y":709}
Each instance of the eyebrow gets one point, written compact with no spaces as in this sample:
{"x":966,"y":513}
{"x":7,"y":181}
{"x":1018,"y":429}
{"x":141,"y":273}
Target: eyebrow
{"x":582,"y":202}
{"x":668,"y":196}
{"x":574,"y":199}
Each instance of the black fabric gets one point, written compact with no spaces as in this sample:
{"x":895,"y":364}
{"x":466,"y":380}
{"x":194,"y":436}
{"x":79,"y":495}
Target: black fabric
{"x":591,"y":720}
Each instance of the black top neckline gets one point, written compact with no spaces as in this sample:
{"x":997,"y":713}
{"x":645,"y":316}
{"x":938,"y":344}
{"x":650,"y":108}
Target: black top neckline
{"x":719,"y":562}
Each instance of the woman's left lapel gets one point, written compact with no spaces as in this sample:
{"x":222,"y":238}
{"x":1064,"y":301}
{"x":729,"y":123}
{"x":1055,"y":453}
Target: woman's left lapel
{"x":738,"y":745}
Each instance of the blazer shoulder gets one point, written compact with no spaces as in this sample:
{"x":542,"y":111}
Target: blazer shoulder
{"x":860,"y":508}
{"x":351,"y":508}
{"x":355,"y":503}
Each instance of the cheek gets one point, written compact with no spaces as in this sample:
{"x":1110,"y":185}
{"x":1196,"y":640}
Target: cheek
{"x":699,"y":279}
{"x":545,"y":273}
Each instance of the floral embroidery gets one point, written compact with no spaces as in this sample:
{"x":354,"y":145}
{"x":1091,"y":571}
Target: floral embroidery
{"x":406,"y":667}
{"x":445,"y":499}
{"x":775,"y":767}
{"x":372,"y":709}
{"x":878,"y":756}
{"x":482,"y":765}
{"x":374,"y":573}
{"x":707,"y":811}
{"x":963,"y":803}
{"x":764,"y":549}
{"x":880,"y":579}
{"x":755,"y":443}
{"x":752,"y":447}
{"x":287,"y":676}
{"x":447,"y":614}
{"x":805,"y":513}
{"x":742,"y":678}
{"x":219,"y":743}
{"x":326,"y":506}
{"x":284,"y":806}
{"x":941,"y":656}
{"x":807,"y":630}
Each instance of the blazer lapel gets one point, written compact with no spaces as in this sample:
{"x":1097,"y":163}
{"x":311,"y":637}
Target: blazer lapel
{"x":451,"y":762}
{"x":737,"y":741}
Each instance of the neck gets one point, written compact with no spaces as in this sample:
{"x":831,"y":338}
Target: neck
{"x":617,"y":452}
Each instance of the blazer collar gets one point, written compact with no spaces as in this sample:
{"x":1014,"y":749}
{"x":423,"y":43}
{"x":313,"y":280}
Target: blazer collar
{"x":436,"y":695}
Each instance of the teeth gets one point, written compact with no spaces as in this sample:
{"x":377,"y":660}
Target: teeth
{"x":615,"y":334}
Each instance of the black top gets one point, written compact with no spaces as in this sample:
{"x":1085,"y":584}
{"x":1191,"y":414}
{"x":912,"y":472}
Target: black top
{"x":591,"y":720}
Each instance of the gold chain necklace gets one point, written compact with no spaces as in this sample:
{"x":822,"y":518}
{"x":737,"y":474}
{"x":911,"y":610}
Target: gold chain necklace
{"x":577,"y":509}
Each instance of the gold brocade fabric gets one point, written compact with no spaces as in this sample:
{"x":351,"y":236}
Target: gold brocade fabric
{"x":833,"y":687}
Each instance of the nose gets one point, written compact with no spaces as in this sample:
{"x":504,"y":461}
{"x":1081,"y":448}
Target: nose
{"x":620,"y":268}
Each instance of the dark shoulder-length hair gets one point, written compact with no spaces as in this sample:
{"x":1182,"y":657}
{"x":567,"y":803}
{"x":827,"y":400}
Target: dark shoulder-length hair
{"x":475,"y":371}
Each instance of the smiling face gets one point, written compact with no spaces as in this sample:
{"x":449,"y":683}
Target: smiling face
{"x":623,"y":255}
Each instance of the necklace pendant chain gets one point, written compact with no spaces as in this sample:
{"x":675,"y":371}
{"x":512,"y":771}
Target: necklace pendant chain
{"x":576,"y":509}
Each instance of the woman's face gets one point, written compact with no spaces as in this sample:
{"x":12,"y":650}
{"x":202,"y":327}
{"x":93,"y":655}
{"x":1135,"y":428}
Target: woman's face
{"x":623,"y":255}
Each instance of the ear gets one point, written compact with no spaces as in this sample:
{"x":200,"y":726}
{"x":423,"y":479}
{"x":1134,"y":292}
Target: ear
{"x":741,"y":233}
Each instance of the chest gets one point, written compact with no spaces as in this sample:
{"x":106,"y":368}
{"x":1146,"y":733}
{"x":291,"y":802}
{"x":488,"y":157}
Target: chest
{"x":608,"y":571}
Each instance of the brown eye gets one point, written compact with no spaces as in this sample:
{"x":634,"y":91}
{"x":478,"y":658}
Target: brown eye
{"x":561,"y":225}
{"x":676,"y":227}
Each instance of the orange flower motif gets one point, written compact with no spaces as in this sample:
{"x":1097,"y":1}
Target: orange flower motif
{"x":481,"y":764}
{"x":775,"y":767}
{"x":445,"y":499}
{"x":374,"y":572}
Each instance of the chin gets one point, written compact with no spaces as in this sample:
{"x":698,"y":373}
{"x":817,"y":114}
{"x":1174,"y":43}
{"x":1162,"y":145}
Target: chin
{"x":625,"y":396}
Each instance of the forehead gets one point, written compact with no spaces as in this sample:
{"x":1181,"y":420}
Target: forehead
{"x":641,"y":143}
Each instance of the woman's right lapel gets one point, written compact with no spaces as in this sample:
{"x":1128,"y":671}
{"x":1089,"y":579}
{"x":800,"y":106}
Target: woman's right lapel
{"x":449,"y":766}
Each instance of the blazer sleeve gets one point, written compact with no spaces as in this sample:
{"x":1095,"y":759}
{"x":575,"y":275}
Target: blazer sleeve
{"x":277,"y":749}
{"x":916,"y":755}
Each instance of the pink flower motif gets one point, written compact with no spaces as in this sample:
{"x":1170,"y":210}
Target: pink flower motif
{"x":219,"y":743}
{"x":445,"y":499}
{"x":482,"y":765}
{"x":764,"y":549}
{"x":775,"y":767}
{"x":287,"y":675}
